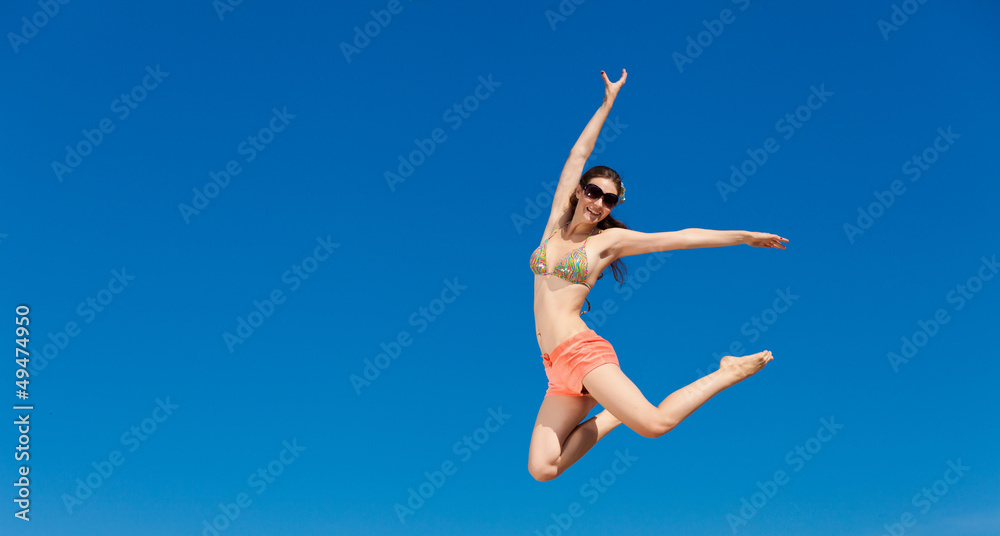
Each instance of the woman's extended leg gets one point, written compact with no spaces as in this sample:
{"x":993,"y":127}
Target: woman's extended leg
{"x":612,"y":389}
{"x":560,"y":439}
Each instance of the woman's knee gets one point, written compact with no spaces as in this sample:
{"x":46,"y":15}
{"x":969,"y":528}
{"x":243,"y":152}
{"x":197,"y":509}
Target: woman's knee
{"x":654,"y":427}
{"x":542,"y":471}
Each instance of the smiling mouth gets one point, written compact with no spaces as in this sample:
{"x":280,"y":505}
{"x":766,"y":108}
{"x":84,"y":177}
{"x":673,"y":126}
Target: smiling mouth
{"x":592,"y":212}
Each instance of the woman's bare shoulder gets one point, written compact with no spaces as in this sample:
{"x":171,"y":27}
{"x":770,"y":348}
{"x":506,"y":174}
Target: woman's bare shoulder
{"x":612,"y":234}
{"x":553,"y":224}
{"x":607,"y":240}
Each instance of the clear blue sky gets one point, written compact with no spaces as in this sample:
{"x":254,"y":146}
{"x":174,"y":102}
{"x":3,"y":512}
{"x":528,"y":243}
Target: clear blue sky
{"x":134,"y":280}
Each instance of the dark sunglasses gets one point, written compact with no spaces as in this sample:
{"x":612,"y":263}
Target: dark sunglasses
{"x":593,"y":191}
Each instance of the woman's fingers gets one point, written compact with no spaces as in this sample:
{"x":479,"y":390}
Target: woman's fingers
{"x":768,"y":240}
{"x":620,"y":81}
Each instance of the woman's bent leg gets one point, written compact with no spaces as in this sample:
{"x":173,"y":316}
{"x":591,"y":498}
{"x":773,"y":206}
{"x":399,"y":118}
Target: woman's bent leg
{"x":559,"y":439}
{"x":611,"y":388}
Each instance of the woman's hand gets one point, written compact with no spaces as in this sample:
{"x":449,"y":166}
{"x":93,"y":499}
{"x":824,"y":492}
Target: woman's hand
{"x":766,"y":240}
{"x":611,"y":88}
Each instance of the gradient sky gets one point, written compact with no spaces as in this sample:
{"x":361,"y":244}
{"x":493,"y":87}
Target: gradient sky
{"x":334,"y":264}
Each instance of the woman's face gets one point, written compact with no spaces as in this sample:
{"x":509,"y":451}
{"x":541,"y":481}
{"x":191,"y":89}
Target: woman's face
{"x":594,"y":210}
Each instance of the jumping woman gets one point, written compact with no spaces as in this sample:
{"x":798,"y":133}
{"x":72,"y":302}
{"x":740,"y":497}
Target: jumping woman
{"x":581,"y":239}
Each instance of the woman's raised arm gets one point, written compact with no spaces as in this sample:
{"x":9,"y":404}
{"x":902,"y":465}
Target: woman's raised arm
{"x":581,"y":150}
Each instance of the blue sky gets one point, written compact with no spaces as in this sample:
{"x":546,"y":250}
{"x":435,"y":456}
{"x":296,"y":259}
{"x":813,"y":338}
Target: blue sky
{"x":206,"y":212}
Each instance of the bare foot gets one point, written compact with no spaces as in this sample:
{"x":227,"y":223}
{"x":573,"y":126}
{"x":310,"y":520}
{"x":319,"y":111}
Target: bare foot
{"x":743,"y":367}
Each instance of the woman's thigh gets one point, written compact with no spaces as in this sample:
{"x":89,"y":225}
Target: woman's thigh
{"x":614,"y":391}
{"x":557,"y":417}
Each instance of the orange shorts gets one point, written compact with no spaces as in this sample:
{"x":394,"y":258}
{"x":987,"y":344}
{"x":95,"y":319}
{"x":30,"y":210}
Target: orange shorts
{"x":573,"y":359}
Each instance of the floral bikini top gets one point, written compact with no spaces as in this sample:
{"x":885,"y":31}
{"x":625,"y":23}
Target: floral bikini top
{"x":572,"y":267}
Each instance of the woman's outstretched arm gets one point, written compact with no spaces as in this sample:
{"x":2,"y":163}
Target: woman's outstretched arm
{"x":629,"y":242}
{"x":581,"y":150}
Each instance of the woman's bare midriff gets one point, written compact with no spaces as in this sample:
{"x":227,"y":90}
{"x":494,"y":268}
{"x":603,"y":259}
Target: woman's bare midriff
{"x":557,"y":311}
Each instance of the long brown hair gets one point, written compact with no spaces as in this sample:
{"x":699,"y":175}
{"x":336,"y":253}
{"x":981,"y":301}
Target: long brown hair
{"x":604,"y":172}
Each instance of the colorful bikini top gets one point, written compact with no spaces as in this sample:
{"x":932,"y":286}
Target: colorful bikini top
{"x":572,"y":267}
